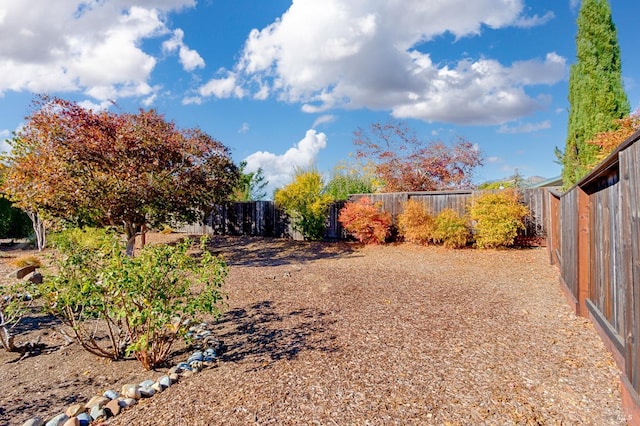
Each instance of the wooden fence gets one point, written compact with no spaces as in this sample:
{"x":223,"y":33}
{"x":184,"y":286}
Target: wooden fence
{"x":436,"y":201}
{"x":594,"y":237}
{"x":262,"y":218}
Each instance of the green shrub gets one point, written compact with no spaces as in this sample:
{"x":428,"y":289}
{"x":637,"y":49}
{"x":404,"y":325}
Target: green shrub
{"x":119,"y":305}
{"x":364,"y":220}
{"x":451,"y":229}
{"x":415,"y":223}
{"x":498,"y":216}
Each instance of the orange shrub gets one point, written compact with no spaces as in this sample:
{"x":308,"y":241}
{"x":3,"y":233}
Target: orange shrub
{"x":415,"y":223}
{"x":364,"y":220}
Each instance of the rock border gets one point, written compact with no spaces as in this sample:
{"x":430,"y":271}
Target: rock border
{"x":112,"y":403}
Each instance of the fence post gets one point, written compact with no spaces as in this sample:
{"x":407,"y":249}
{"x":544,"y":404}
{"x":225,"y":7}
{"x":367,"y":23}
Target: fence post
{"x":584,"y":256}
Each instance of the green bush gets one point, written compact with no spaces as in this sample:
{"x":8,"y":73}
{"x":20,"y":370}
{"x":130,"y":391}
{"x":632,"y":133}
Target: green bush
{"x":451,"y":229}
{"x":119,"y":305}
{"x":364,"y":220}
{"x":498,"y":216}
{"x":415,"y":223}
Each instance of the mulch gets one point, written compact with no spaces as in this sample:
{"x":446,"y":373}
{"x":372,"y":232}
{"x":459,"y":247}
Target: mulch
{"x":336,"y":334}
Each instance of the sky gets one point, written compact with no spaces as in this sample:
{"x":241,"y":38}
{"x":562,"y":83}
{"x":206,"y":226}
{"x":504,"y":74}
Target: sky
{"x":284,"y":84}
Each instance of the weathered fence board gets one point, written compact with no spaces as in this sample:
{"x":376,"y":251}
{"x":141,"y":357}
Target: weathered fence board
{"x":603,"y":210}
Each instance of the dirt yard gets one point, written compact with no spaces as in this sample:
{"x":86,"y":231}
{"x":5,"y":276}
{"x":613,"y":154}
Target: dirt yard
{"x":336,"y":334}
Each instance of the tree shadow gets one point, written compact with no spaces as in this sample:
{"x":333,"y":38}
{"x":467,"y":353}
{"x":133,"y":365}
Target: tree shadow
{"x":264,"y":251}
{"x":261,"y":334}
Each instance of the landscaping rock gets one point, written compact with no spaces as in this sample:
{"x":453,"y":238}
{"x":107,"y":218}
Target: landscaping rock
{"x":35,"y":277}
{"x":58,"y":420}
{"x":147,"y":384}
{"x":131,"y":391}
{"x":99,"y":401}
{"x":147,"y":392}
{"x":22,"y":272}
{"x":165,"y":381}
{"x":74,"y":410}
{"x":73,"y":421}
{"x":35,"y":421}
{"x":98,"y":413}
{"x":84,"y":419}
{"x":113,"y":407}
{"x":111,"y":394}
{"x":127,"y":402}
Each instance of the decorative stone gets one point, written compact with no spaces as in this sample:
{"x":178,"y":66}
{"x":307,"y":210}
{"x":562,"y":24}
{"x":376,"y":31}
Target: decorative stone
{"x":57,"y":420}
{"x":174,"y":377}
{"x":74,"y":410}
{"x":165,"y":381}
{"x":127,"y":402}
{"x":73,"y":421}
{"x":196,"y":356}
{"x":111,"y":394}
{"x":157,"y":387}
{"x":35,"y":277}
{"x":113,"y":407}
{"x":22,"y":272}
{"x":186,"y":374}
{"x":182,"y":367}
{"x":35,"y":421}
{"x":84,"y":419}
{"x":131,"y":391}
{"x":97,"y":413}
{"x":99,"y":401}
{"x":147,"y":392}
{"x":147,"y":384}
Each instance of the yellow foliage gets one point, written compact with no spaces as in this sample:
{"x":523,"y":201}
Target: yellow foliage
{"x":499,"y":216}
{"x":415,"y":223}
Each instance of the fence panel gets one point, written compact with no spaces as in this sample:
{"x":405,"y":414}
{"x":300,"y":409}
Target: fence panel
{"x":569,"y":241}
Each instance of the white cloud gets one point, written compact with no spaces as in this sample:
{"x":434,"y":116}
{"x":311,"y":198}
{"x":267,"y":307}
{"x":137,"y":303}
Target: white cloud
{"x":278,"y":169}
{"x":493,"y":159}
{"x":372,"y":54}
{"x":222,"y":88}
{"x":525,"y":128}
{"x":190,"y":59}
{"x":323,"y":119}
{"x":88,"y":46}
{"x":244,"y":128}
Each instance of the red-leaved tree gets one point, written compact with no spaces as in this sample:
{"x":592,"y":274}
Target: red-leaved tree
{"x":125,"y":170}
{"x":406,"y":163}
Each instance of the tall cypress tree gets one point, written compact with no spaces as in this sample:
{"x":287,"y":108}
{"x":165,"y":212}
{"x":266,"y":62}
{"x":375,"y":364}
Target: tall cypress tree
{"x":596,"y":93}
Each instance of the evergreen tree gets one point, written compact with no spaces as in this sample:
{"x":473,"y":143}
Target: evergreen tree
{"x":596,"y":93}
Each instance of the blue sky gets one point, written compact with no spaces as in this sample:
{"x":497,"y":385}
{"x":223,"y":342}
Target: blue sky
{"x":285,"y":84}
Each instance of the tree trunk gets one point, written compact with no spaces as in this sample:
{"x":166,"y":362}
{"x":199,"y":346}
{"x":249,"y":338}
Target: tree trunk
{"x":130,"y":233}
{"x":39,"y":228}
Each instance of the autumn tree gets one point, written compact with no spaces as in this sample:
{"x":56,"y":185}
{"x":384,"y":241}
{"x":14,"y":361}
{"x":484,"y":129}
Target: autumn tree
{"x":404,"y":162}
{"x":609,"y":140}
{"x":126,"y":170}
{"x":596,"y":94}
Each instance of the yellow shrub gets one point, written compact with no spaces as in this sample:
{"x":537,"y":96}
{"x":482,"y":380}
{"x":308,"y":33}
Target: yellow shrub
{"x":499,"y":216}
{"x":415,"y":223}
{"x":451,"y":229}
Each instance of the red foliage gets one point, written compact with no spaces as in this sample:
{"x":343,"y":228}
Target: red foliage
{"x":406,"y":163}
{"x":364,"y":220}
